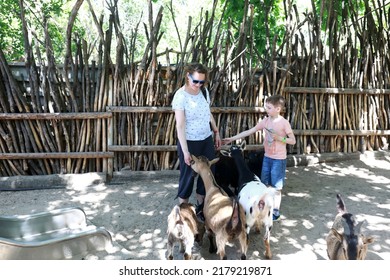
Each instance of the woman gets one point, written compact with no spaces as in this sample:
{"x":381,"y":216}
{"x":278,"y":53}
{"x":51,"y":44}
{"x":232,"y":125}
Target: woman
{"x":193,"y":117}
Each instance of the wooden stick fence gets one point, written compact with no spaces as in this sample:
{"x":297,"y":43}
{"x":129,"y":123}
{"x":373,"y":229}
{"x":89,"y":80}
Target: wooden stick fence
{"x":48,"y":157}
{"x":352,"y":130}
{"x":109,"y":116}
{"x":115,"y":148}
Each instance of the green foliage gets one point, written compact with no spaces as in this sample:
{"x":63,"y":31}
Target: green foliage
{"x":11,"y":37}
{"x":267,"y":20}
{"x":36,"y":12}
{"x":176,"y":19}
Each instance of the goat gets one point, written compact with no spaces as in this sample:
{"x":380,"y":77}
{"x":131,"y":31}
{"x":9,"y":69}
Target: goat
{"x":255,"y":198}
{"x":183,"y":228}
{"x":226,"y":175}
{"x":224,"y":217}
{"x":255,"y":162}
{"x":226,"y":172}
{"x":344,"y":240}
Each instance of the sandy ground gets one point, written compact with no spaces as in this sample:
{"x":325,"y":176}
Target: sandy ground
{"x":134,"y":207}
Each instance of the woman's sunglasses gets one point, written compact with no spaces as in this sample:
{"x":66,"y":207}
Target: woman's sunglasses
{"x":197,"y":81}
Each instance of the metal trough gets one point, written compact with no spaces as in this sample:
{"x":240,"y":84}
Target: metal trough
{"x":53,"y":235}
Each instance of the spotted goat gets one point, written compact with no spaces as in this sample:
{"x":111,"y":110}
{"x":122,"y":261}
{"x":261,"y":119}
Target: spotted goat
{"x":256,"y":199}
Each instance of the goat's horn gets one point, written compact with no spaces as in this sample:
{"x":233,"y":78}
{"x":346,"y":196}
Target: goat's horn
{"x":340,"y":204}
{"x":358,"y":227}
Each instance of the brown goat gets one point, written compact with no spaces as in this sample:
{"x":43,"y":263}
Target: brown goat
{"x":183,"y":228}
{"x":344,"y":241}
{"x":224,"y":217}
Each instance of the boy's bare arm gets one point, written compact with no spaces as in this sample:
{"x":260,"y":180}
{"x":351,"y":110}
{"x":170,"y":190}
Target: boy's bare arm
{"x":239,"y":135}
{"x":290,"y":139}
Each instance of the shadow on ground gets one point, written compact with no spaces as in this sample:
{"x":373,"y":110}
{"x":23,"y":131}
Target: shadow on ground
{"x":134,"y":207}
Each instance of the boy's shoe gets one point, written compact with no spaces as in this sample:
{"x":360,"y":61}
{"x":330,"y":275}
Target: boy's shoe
{"x":275,"y":218}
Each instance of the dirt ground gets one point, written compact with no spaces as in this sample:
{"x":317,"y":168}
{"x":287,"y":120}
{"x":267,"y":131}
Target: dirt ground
{"x":134,"y":207}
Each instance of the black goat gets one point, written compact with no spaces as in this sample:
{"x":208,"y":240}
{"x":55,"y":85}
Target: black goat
{"x":226,"y":172}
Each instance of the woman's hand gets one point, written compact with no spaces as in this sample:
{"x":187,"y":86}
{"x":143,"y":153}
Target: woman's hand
{"x":217,"y":141}
{"x":187,"y":158}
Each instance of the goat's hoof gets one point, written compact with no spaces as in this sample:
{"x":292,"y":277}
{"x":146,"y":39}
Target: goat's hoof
{"x":212,"y":250}
{"x":243,"y":257}
{"x":187,"y":256}
{"x":170,"y":257}
{"x":224,"y":258}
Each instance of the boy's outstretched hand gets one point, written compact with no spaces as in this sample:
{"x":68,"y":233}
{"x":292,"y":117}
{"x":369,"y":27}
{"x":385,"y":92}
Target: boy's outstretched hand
{"x":226,"y":141}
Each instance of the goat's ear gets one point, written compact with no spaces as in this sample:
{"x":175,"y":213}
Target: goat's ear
{"x":338,"y":235}
{"x":368,"y":239}
{"x":225,"y":153}
{"x":214,"y":161}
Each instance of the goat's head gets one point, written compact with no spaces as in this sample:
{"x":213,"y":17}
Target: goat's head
{"x":354,"y":244}
{"x":200,"y":162}
{"x":234,"y":149}
{"x":175,"y":224}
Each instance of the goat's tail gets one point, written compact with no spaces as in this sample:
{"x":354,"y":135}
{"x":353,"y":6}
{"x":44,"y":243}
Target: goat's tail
{"x":340,"y":204}
{"x":234,"y":226}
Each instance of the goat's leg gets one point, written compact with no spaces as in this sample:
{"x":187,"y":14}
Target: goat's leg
{"x":188,"y":249}
{"x":182,"y":247}
{"x":244,"y":244}
{"x":213,"y":246}
{"x":170,"y":250}
{"x":248,"y":229}
{"x":268,"y":253}
{"x":221,"y":243}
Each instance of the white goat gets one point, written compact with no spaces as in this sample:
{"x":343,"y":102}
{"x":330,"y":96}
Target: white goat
{"x":224,"y":217}
{"x":344,"y":241}
{"x":183,"y":228}
{"x":256,"y":199}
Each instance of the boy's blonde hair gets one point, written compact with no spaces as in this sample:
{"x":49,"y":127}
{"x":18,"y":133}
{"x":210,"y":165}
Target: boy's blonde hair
{"x":276,"y":100}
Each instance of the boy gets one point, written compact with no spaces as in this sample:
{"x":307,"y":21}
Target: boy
{"x":278,"y":133}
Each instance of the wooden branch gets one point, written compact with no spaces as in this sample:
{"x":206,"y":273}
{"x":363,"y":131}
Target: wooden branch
{"x":55,"y":116}
{"x":165,"y":148}
{"x":336,"y":90}
{"x":56,"y":155}
{"x":154,"y":109}
{"x":322,"y":132}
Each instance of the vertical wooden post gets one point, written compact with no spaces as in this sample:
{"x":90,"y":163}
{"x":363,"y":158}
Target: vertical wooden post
{"x":110,"y":135}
